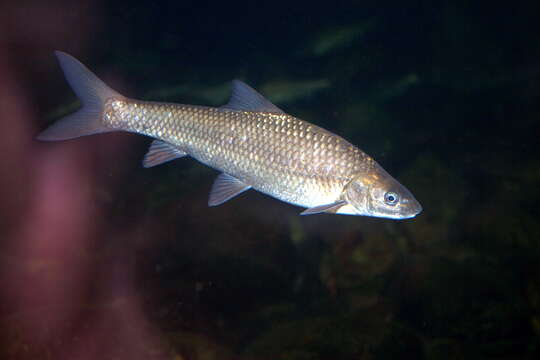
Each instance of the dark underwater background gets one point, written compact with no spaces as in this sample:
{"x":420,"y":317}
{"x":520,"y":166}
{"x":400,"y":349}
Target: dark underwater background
{"x":102,"y":259}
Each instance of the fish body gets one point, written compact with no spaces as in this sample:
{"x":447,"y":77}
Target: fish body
{"x":252,"y":142}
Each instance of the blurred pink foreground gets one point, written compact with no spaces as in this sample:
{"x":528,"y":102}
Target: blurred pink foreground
{"x":56,"y":300}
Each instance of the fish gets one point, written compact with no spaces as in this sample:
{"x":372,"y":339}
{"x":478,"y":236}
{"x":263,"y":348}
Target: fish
{"x":249,"y":140}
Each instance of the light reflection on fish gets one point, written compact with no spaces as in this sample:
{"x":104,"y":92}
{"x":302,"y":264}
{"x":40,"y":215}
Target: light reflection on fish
{"x":252,"y":142}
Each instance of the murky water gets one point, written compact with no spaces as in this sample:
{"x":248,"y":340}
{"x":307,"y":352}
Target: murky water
{"x":101,"y":258}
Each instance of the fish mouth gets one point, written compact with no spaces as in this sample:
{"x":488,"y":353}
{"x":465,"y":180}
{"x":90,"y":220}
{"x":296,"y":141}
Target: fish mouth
{"x":415,"y":208}
{"x":410,"y":211}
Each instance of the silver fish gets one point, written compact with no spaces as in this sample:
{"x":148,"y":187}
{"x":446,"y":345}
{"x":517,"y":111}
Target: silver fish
{"x":252,"y":142}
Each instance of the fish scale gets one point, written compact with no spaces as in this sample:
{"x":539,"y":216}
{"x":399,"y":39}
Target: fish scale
{"x":277,"y":154}
{"x":251,"y":141}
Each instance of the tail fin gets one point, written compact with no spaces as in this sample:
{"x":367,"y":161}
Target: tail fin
{"x":92,"y":93}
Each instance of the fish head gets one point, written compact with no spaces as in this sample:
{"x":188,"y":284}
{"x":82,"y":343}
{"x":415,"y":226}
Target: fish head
{"x":378,"y":194}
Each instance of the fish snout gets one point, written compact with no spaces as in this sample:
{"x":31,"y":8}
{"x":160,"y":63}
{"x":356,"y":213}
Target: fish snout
{"x":410,"y":207}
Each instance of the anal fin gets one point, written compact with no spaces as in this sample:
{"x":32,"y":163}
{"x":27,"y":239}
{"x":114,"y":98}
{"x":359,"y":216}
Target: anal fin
{"x":161,"y":152}
{"x":225,"y":187}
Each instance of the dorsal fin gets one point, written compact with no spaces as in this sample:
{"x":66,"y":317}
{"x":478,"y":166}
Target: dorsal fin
{"x":244,"y":97}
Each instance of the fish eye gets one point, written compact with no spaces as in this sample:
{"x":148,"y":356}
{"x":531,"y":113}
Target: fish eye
{"x":391,"y":198}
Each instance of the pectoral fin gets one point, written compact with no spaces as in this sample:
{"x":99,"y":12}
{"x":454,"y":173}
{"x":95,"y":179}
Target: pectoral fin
{"x":328,"y":208}
{"x":161,"y":152}
{"x":225,"y":187}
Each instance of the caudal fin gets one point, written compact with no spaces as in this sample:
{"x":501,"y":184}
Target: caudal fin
{"x":92,"y":93}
